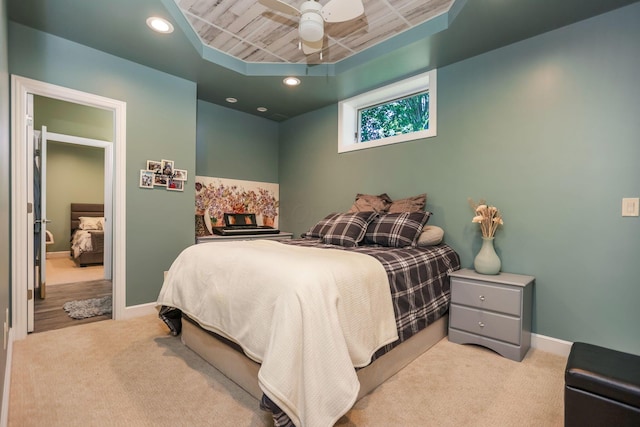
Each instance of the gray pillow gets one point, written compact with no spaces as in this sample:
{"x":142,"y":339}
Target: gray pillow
{"x":431,"y":235}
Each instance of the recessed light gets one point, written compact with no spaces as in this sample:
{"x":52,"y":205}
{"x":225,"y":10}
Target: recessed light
{"x":261,"y":109}
{"x":291,"y":81}
{"x":160,"y":25}
{"x":231,"y":100}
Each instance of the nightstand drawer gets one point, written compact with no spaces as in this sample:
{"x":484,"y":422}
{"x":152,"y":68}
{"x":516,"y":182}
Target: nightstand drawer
{"x":492,"y":325}
{"x":487,"y":297}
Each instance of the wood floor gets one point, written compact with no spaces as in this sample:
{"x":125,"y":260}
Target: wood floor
{"x":48,"y":313}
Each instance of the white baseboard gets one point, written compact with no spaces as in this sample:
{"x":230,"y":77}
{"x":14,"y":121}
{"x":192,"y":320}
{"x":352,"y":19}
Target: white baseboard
{"x":551,"y":345}
{"x":4,"y":410}
{"x":540,"y":342}
{"x":139,"y":310}
{"x":61,"y":254}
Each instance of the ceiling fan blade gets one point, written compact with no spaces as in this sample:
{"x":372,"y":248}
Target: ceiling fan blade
{"x":342,"y":10}
{"x":280,"y":6}
{"x":311,"y":47}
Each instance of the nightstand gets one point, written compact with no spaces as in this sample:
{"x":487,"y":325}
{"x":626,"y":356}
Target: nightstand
{"x":491,"y":311}
{"x":283,"y":235}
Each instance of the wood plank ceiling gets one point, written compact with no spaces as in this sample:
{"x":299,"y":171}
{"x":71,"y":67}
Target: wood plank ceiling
{"x":251,"y":32}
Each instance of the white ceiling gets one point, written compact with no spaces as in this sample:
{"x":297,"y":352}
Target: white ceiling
{"x":249,"y":31}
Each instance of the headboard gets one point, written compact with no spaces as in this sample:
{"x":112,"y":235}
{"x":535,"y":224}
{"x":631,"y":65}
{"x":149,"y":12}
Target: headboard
{"x":84,"y":209}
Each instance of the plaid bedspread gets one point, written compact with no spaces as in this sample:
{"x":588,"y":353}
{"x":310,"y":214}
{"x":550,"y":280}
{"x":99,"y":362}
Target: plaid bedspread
{"x":419,"y":280}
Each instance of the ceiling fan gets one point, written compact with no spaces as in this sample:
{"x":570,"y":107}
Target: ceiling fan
{"x":313,"y":16}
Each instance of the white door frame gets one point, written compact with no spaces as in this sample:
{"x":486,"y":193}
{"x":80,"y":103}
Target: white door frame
{"x":20,"y":87}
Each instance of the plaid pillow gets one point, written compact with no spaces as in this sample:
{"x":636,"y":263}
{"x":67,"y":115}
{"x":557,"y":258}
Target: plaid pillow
{"x":396,"y":229}
{"x":348,"y":229}
{"x":321,"y":228}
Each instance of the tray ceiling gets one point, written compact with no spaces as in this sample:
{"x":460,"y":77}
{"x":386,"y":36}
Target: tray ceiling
{"x":249,"y":31}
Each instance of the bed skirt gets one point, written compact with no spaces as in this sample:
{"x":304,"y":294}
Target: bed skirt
{"x":228,"y":359}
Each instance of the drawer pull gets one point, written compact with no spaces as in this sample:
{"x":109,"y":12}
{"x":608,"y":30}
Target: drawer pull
{"x":481,"y":297}
{"x":481,"y":324}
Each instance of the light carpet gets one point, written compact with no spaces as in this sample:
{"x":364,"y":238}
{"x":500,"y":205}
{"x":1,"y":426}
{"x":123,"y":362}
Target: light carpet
{"x":132,"y":373}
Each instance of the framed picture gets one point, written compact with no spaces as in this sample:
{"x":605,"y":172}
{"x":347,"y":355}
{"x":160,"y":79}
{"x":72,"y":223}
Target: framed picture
{"x":146,"y":178}
{"x":154,"y":165}
{"x":167,"y":167}
{"x":160,"y":180}
{"x":175,"y":185}
{"x":180,"y":174}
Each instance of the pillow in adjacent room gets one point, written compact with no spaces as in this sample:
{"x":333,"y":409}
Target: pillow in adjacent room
{"x":320,"y":229}
{"x":398,"y":230}
{"x":348,"y":229}
{"x":431,"y":235}
{"x":89,"y":223}
{"x":371,"y":203}
{"x":410,"y":204}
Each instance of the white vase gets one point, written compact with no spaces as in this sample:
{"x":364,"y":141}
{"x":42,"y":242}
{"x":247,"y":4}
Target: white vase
{"x":487,"y":260}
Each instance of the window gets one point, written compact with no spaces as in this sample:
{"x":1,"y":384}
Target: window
{"x":397,"y":117}
{"x":400,"y":112}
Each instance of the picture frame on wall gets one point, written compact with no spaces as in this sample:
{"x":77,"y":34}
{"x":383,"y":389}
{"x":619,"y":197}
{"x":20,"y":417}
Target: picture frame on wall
{"x":160,"y":180}
{"x":167,"y":167}
{"x":175,"y":185}
{"x":154,"y":165}
{"x":147,"y":178}
{"x":180,"y":174}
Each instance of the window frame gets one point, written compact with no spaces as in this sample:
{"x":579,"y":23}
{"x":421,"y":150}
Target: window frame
{"x":348,"y":117}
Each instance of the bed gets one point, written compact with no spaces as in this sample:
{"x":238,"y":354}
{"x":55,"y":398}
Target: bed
{"x":359,"y":311}
{"x":87,"y":233}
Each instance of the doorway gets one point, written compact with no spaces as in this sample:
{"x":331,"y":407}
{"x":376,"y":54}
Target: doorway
{"x":22,"y":204}
{"x":70,"y":289}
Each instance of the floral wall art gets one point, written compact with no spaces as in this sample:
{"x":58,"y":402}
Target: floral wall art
{"x":217,"y":196}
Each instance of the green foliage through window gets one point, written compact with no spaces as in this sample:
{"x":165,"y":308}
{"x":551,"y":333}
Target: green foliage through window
{"x":400,"y":116}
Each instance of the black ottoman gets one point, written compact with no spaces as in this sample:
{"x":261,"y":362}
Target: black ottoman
{"x":602,"y":387}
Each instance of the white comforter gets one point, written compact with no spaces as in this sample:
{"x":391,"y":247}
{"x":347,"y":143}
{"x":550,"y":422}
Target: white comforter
{"x":81,"y":243}
{"x":308,"y":315}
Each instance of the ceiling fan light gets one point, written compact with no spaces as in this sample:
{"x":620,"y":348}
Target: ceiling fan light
{"x":311,"y":27}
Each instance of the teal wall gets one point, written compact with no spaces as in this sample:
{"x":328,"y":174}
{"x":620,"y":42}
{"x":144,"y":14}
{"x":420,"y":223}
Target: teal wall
{"x":5,"y":183}
{"x":72,"y":119}
{"x":75,"y":173}
{"x":161,"y":124}
{"x":236,"y":145}
{"x":547,"y":130}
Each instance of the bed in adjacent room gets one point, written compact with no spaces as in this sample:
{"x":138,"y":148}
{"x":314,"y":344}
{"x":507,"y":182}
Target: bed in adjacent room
{"x":87,"y":233}
{"x":310,"y":325}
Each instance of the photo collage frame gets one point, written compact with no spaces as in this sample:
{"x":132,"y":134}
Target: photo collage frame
{"x":162,"y":173}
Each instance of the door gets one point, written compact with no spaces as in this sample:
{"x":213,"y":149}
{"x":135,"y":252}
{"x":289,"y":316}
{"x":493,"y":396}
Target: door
{"x":40,"y":226}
